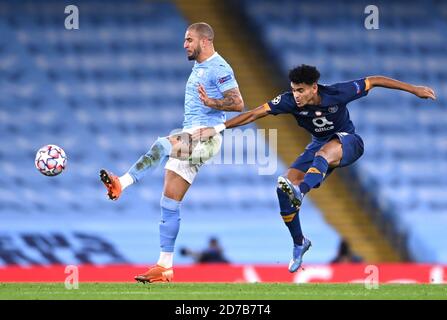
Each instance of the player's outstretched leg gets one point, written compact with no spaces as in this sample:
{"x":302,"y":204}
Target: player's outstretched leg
{"x":112,"y":184}
{"x":313,"y":177}
{"x":147,"y":163}
{"x":290,"y":215}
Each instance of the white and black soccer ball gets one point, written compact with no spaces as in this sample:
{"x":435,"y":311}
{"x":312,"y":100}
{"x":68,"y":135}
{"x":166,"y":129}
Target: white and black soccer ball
{"x":50,"y":160}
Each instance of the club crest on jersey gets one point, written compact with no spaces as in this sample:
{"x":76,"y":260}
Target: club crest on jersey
{"x":318,"y":113}
{"x":333,"y":109}
{"x":276,"y":100}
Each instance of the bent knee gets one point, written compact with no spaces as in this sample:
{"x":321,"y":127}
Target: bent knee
{"x":333,"y":158}
{"x":323,"y":153}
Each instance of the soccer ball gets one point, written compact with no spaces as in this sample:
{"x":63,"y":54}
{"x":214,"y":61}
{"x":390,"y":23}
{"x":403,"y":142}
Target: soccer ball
{"x":50,"y":160}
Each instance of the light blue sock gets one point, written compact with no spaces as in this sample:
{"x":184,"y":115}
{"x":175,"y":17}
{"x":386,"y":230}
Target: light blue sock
{"x":169,"y":224}
{"x":150,"y":161}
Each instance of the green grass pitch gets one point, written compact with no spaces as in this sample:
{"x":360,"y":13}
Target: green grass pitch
{"x":219,"y":291}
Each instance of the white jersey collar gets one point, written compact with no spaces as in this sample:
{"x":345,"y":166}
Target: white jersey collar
{"x":215,"y":54}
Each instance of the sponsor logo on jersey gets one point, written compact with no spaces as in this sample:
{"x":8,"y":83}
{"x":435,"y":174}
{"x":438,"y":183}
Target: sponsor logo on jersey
{"x":276,"y":100}
{"x":318,"y":113}
{"x":324,"y":129}
{"x":200,"y":72}
{"x":224,"y":79}
{"x":304,"y":113}
{"x":323,"y":124}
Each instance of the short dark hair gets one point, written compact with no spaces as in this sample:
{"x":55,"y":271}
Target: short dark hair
{"x":203,"y":29}
{"x":304,"y":74}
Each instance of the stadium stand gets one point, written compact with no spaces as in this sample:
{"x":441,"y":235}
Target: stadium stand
{"x":104,"y":93}
{"x":404,"y":165}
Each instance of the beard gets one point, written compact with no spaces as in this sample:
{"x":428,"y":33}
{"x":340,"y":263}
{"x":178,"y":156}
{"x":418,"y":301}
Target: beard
{"x":194,"y":54}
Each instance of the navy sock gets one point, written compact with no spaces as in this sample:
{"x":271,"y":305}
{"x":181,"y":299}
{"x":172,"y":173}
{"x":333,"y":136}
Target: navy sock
{"x":291,"y":217}
{"x":315,"y":174}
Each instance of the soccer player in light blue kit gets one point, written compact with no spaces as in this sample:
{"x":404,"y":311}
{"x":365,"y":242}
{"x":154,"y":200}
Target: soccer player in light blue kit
{"x":210,"y":91}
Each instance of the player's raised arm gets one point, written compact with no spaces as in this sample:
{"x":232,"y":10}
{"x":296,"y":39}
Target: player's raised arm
{"x":380,"y":81}
{"x":240,"y":120}
{"x":246,"y":117}
{"x":232,"y":100}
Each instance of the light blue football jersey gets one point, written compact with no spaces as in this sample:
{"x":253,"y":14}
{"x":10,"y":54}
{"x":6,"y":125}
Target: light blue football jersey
{"x":216,"y":75}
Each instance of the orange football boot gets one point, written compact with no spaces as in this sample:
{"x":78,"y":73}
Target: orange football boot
{"x":112,"y":184}
{"x":156,"y":274}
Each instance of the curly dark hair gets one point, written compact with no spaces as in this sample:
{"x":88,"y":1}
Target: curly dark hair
{"x":304,"y":74}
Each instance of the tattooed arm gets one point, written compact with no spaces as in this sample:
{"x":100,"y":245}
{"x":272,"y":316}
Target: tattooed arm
{"x":232,"y":100}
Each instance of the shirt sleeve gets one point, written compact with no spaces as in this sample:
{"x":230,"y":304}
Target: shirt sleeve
{"x":224,"y":79}
{"x":278,"y":105}
{"x":352,"y":90}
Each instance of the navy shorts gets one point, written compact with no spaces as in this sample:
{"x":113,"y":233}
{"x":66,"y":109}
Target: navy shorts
{"x":352,"y":146}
